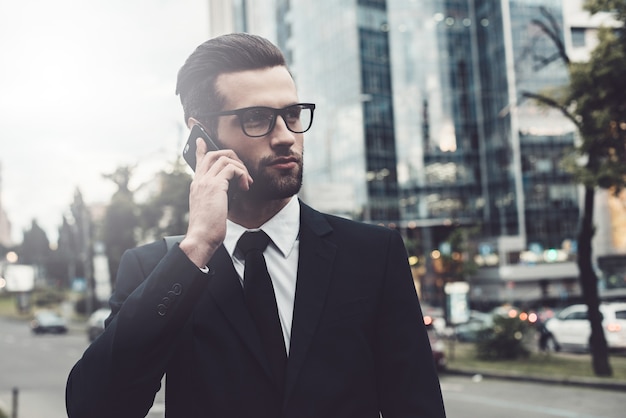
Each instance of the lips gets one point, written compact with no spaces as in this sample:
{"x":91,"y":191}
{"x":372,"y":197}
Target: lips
{"x":284,"y":163}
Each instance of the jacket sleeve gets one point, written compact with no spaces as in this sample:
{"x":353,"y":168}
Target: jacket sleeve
{"x":121,"y":371}
{"x":408,"y":380}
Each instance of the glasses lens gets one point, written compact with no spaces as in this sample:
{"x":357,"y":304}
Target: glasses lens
{"x":257,"y":121}
{"x":298,"y":118}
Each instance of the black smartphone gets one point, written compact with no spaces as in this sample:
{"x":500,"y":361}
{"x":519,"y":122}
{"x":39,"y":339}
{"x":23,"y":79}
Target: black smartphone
{"x":189,"y":152}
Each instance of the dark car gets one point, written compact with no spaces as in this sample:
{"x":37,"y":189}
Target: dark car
{"x":469,"y":331}
{"x":438,"y":348}
{"x":95,"y":324}
{"x":48,"y":322}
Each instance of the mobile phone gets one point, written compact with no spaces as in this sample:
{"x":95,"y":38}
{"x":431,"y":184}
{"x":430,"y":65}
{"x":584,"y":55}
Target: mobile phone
{"x":189,"y":152}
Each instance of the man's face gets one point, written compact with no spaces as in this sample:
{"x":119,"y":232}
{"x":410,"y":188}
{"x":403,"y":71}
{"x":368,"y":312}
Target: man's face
{"x":274,"y":160}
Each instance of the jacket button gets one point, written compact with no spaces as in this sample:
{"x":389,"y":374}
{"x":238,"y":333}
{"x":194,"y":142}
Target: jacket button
{"x":177,"y":288}
{"x":161,"y":309}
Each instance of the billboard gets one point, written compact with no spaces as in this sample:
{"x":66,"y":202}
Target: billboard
{"x":19,"y":277}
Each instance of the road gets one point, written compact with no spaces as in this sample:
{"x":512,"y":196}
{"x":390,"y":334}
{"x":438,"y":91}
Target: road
{"x":467,"y":397}
{"x":39,"y":365}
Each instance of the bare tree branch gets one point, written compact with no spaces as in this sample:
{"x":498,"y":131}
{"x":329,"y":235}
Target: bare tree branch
{"x":553,"y":104}
{"x":553,"y":33}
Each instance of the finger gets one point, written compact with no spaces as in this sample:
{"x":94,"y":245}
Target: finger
{"x":231,"y":169}
{"x":201,"y":150}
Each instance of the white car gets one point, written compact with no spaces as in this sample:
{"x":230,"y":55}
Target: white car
{"x":571,"y":329}
{"x":95,"y":324}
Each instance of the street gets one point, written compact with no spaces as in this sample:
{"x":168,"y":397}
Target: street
{"x":38,"y":366}
{"x":466,"y":397}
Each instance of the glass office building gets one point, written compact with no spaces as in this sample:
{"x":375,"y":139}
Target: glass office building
{"x":470,"y":148}
{"x":339,"y":55}
{"x":421,"y":122}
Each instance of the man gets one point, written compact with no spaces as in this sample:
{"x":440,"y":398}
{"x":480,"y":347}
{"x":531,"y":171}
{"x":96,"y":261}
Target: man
{"x":352,"y":337}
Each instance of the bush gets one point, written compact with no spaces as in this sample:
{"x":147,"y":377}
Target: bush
{"x":48,"y":297}
{"x":503,"y":341}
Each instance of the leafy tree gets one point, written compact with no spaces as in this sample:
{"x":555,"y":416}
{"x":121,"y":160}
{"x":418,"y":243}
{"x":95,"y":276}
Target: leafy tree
{"x":62,"y":264}
{"x":458,"y":262}
{"x":503,"y":341}
{"x":595,"y":101}
{"x":82,"y":231}
{"x":167,"y":212}
{"x":120,"y":220}
{"x":35,"y":246}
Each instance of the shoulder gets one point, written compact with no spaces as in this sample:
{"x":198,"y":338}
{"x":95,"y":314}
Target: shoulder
{"x":147,"y":256}
{"x":335,"y":225}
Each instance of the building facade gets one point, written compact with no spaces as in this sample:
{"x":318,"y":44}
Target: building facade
{"x":423,"y":124}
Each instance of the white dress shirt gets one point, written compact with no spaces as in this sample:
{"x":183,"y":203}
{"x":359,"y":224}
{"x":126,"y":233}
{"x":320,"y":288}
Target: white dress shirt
{"x":281,"y":257}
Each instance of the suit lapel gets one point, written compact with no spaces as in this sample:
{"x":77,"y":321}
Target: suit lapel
{"x":225,"y":289}
{"x":314,"y":275}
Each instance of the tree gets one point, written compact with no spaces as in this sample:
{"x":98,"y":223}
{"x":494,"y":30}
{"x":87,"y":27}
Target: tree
{"x":595,"y":101}
{"x":458,"y":262}
{"x":120,"y":221}
{"x":35,"y":246}
{"x":167,"y":212}
{"x":82,"y":229}
{"x":63,"y":263}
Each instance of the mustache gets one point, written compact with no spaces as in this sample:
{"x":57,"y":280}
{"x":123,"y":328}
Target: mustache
{"x":278,"y":158}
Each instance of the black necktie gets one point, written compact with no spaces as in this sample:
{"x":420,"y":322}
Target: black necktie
{"x":261,"y":301}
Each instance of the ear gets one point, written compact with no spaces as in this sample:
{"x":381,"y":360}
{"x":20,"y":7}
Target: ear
{"x":191,"y":122}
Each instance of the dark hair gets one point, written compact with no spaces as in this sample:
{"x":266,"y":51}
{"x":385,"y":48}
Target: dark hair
{"x":223,"y":54}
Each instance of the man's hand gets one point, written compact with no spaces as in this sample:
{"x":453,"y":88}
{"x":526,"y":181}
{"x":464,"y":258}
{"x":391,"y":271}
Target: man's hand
{"x":208,"y":201}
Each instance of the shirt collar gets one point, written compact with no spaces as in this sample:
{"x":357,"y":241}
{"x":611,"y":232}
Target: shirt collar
{"x":283,"y":229}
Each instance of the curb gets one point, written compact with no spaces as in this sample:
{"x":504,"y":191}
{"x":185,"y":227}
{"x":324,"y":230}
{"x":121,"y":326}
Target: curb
{"x":597,"y":383}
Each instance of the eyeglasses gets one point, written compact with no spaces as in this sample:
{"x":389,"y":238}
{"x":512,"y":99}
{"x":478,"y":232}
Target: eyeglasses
{"x":259,"y":120}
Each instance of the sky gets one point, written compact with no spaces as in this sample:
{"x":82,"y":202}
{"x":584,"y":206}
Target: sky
{"x":87,"y":86}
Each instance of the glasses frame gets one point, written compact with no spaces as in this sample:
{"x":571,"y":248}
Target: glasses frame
{"x":275,"y":113}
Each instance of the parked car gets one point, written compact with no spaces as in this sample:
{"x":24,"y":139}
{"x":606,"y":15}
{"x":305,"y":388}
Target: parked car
{"x":95,"y":323}
{"x":478,"y":321}
{"x":510,"y":311}
{"x":570,"y":328}
{"x":438,"y":347}
{"x":434,"y":317}
{"x":48,"y":322}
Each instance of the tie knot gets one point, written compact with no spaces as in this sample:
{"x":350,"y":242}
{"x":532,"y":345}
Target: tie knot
{"x":256,"y":240}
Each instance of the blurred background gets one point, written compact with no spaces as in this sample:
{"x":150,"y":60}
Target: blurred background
{"x":463,"y":124}
{"x":424,"y":124}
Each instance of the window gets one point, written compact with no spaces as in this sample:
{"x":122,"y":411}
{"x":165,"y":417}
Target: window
{"x":580,"y":315}
{"x":578,"y":37}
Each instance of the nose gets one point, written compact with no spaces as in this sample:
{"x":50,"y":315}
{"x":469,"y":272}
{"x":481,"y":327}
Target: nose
{"x":281,"y":135}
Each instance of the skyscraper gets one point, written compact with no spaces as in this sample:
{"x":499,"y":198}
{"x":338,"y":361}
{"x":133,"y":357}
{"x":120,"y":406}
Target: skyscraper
{"x":422,"y":122}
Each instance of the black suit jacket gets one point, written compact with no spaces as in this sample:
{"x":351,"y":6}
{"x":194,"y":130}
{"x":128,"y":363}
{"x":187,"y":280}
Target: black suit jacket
{"x":358,"y":342}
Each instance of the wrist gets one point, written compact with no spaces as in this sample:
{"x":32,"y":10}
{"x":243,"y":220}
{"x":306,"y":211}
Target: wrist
{"x":197,"y":252}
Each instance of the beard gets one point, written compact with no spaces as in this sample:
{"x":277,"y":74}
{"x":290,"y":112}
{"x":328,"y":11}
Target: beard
{"x":270,"y":184}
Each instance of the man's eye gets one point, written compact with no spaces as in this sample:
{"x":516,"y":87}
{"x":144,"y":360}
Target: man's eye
{"x":293,"y":113}
{"x":257,"y":116}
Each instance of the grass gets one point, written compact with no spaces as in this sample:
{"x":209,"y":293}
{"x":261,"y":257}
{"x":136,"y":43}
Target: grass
{"x":462,"y":356}
{"x":8,"y":307}
{"x":41,"y":298}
